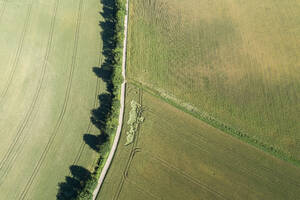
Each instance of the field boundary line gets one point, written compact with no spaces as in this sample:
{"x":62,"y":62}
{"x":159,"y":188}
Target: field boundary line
{"x":18,"y":54}
{"x":224,"y":128}
{"x":64,"y":108}
{"x":226,"y":149}
{"x":25,"y":121}
{"x":121,"y":113}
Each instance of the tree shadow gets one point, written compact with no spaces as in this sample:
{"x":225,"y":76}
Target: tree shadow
{"x":101,"y":115}
{"x":92,"y":141}
{"x":70,"y":189}
{"x":99,"y":118}
{"x":72,"y":186}
{"x":108,"y":26}
{"x":96,"y":142}
{"x":105,"y":75}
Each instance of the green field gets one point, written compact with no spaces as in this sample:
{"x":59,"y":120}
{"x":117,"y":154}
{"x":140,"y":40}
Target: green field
{"x":179,"y":157}
{"x":47,"y":89}
{"x":231,"y":63}
{"x":235,"y":60}
{"x":195,"y":66}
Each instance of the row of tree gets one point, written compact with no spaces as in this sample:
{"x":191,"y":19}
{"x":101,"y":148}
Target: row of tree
{"x":112,"y":36}
{"x":81,"y":187}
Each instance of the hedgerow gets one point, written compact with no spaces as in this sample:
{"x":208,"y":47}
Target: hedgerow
{"x":275,"y":151}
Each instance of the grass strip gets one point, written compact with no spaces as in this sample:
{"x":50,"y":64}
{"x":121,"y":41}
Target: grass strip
{"x":276,"y":152}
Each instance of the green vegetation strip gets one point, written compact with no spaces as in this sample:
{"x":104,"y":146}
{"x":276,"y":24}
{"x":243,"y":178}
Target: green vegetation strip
{"x":222,"y":126}
{"x":114,"y":85}
{"x":173,"y":149}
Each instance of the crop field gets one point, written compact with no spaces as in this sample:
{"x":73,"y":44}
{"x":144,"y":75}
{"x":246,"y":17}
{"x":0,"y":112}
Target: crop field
{"x":236,"y":60}
{"x":48,"y":49}
{"x":176,"y":156}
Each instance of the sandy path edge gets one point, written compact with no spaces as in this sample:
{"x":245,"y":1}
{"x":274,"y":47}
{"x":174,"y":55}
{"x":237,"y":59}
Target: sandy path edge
{"x":122,"y":102}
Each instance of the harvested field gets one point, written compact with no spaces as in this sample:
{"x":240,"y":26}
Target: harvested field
{"x":176,"y":156}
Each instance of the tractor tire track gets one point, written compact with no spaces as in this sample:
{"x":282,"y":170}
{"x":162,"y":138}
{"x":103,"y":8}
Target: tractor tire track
{"x":133,"y":151}
{"x":233,"y":155}
{"x":97,"y":91}
{"x":15,"y":156}
{"x":167,"y":124}
{"x":82,"y":146}
{"x":2,"y":10}
{"x":139,"y":188}
{"x":10,"y":155}
{"x":187,"y":176}
{"x":64,"y":108}
{"x":18,"y":54}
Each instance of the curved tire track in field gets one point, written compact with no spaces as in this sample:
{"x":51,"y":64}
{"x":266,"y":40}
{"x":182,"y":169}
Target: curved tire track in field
{"x":121,"y":114}
{"x":133,"y":151}
{"x":143,"y":190}
{"x":18,"y":54}
{"x":83,"y":144}
{"x":10,"y":155}
{"x":2,"y":10}
{"x":245,"y":170}
{"x":63,"y":111}
{"x":124,"y":178}
{"x":187,"y":176}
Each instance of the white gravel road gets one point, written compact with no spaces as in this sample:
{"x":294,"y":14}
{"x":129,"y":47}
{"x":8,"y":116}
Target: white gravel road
{"x":122,"y":102}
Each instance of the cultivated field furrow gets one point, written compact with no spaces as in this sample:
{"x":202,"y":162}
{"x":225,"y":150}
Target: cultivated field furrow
{"x":2,"y":9}
{"x":134,"y":149}
{"x":233,"y":65}
{"x":17,"y":56}
{"x":236,"y":62}
{"x":47,"y":91}
{"x":169,"y":124}
{"x":89,"y":127}
{"x":137,"y":187}
{"x":11,"y":154}
{"x":217,"y":82}
{"x":168,"y":165}
{"x":227,"y":151}
{"x":187,"y":176}
{"x":64,"y":108}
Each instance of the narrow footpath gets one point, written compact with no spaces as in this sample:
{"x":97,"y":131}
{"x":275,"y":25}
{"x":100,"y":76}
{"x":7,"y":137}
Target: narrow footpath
{"x":122,"y":102}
